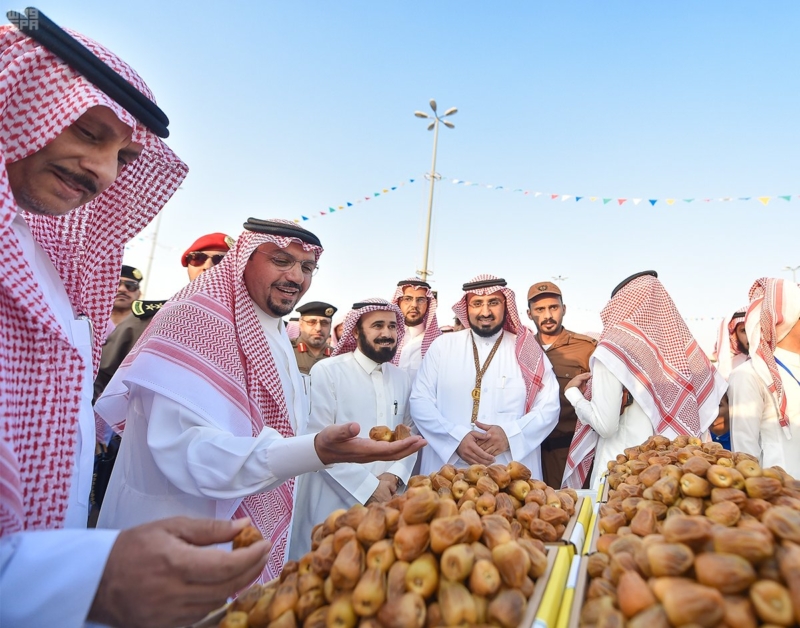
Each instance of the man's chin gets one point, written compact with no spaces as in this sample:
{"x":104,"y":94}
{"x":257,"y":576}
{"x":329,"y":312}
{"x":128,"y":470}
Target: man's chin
{"x":486,"y":332}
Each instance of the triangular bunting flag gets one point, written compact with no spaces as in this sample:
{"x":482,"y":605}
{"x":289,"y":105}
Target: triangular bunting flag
{"x":577,"y":198}
{"x":565,"y":197}
{"x":331,"y":209}
{"x":385,"y":191}
{"x":606,"y":201}
{"x":377,"y":194}
{"x":707,"y":200}
{"x":688,"y":200}
{"x":670,"y":201}
{"x":621,"y":200}
{"x":322,"y":213}
{"x":765,"y":199}
{"x":304,"y":217}
{"x":553,"y":197}
{"x":745,"y":198}
{"x":537,"y":194}
{"x":592,"y":198}
{"x":653,"y":201}
{"x":394,"y":188}
{"x":786,"y":198}
{"x":349,"y":204}
{"x":412,"y":180}
{"x":636,"y":201}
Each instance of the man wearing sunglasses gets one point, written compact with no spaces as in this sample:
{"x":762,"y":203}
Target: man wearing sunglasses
{"x":206,"y":252}
{"x":128,"y":291}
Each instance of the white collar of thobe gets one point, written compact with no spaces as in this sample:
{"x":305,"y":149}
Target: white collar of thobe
{"x":486,"y":340}
{"x":268,"y":322}
{"x":365,"y":363}
{"x":416,"y":330}
{"x":787,"y":357}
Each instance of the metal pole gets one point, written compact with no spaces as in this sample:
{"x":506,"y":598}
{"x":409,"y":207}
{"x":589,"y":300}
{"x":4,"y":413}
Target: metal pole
{"x":424,"y":272}
{"x":152,"y":253}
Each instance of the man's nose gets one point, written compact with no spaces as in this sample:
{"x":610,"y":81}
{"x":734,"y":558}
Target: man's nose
{"x":207,"y":264}
{"x":295,"y":273}
{"x":102,"y":164}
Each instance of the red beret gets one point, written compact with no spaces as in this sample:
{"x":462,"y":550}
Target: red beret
{"x":210,"y":242}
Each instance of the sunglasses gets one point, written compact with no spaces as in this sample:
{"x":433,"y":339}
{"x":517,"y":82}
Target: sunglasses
{"x":130,"y":286}
{"x":198,"y":259}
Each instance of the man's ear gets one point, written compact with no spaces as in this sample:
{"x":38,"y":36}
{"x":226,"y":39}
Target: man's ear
{"x":564,"y":307}
{"x":528,"y":311}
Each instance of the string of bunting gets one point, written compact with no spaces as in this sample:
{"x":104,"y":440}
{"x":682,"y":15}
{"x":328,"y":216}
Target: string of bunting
{"x":332,"y":210}
{"x":764,"y":200}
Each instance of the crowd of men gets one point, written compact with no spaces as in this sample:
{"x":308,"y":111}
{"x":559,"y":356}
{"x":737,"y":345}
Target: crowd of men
{"x":217,"y":411}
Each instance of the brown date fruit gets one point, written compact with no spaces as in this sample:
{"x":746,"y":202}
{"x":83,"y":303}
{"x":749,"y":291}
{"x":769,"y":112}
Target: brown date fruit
{"x":772,"y":603}
{"x":633,"y":593}
{"x":727,"y":573}
{"x":783,"y":522}
{"x":669,"y":559}
{"x":724,"y":513}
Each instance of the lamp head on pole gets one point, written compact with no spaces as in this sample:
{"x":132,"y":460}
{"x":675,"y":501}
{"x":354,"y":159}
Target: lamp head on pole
{"x":421,"y":114}
{"x":448,"y":124}
{"x":431,"y":125}
{"x":433,"y":105}
{"x":451,"y":112}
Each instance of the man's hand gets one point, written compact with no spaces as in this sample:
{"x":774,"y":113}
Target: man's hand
{"x":494,"y":442}
{"x":157,"y":575}
{"x":579,"y":382}
{"x":387,"y":487}
{"x":340,"y":443}
{"x":470,"y":450}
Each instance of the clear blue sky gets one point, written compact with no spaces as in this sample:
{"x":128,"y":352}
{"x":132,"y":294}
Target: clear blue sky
{"x":285,"y":108}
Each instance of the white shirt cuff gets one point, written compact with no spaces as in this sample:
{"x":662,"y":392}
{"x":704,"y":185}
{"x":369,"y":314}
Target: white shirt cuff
{"x":574,"y":395}
{"x":290,"y":457}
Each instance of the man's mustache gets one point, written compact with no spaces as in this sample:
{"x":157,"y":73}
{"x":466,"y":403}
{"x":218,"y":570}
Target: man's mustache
{"x":548,"y":320}
{"x":76,"y":178}
{"x":287,"y":284}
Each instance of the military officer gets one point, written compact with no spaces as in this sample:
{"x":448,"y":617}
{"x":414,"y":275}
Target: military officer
{"x":311,"y":345}
{"x":569,"y":354}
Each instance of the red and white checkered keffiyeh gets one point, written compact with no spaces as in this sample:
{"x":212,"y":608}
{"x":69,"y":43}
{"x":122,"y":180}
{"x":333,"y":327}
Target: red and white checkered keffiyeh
{"x":647,"y":346}
{"x":773,"y":311}
{"x":211,"y":329}
{"x":348,"y":342}
{"x":40,"y":372}
{"x":529,"y":352}
{"x":432,"y":331}
{"x":727,"y":345}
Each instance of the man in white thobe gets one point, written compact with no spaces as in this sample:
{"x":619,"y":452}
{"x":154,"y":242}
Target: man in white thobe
{"x":211,"y":398}
{"x":359,"y":383}
{"x":81,"y":175}
{"x":487,"y":393}
{"x":418,"y":304}
{"x":649,"y":376}
{"x":764,"y":392}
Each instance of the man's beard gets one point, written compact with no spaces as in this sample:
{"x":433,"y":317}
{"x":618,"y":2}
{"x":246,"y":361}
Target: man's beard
{"x":315,"y":343}
{"x":486,"y":333}
{"x":377,"y":353}
{"x":415,"y":322}
{"x":283,"y":307}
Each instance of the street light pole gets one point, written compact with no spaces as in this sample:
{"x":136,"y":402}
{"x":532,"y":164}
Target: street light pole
{"x":560,"y":278}
{"x":794,"y":272}
{"x":424,"y":272}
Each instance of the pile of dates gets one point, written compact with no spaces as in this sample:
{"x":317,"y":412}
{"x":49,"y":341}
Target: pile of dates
{"x":693,"y":534}
{"x":458,"y":548}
